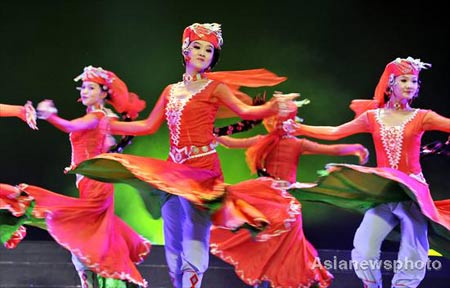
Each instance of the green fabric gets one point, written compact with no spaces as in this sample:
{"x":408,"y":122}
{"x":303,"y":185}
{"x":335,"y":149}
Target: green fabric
{"x":356,"y":191}
{"x":9,"y":223}
{"x":113,"y":172}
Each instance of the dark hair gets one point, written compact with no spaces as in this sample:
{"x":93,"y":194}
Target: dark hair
{"x":243,"y":125}
{"x":124,"y":140}
{"x":214,"y":60}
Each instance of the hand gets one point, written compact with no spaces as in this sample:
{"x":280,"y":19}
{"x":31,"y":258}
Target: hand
{"x":284,"y":102}
{"x":290,"y":126}
{"x":46,"y":109}
{"x":30,"y":115}
{"x":362,"y":153}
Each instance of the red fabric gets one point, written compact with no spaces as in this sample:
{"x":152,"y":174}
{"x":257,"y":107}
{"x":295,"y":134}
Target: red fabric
{"x":410,"y":147}
{"x":409,"y":162}
{"x":15,"y":239}
{"x":203,"y":32}
{"x":87,"y":226}
{"x":396,"y":68}
{"x":247,"y":78}
{"x":280,"y":254}
{"x":360,"y":106}
{"x":399,"y":66}
{"x":195,"y":119}
{"x":256,"y":155}
{"x":121,"y":99}
{"x":87,"y":143}
{"x":12,"y":200}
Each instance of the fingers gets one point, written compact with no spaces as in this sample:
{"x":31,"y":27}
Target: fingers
{"x":286,"y":97}
{"x":45,"y":109}
{"x":30,"y":115}
{"x":363,"y":156}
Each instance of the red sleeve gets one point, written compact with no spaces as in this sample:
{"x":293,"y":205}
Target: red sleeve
{"x":434,"y":121}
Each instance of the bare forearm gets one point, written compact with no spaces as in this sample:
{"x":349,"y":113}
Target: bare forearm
{"x":231,"y":142}
{"x":12,"y":111}
{"x":347,"y":149}
{"x":61,"y":124}
{"x":319,"y":132}
{"x":258,"y":112}
{"x":135,"y":128}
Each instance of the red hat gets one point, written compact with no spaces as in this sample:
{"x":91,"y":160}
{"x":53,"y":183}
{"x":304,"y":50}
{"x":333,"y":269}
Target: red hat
{"x":400,"y":66}
{"x":210,"y":32}
{"x":121,"y":99}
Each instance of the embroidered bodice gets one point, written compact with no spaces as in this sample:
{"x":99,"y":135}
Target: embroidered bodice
{"x":398,"y":146}
{"x":190,"y":118}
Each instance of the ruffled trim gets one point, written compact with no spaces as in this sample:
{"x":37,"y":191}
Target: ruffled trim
{"x":318,"y":278}
{"x":90,"y":264}
{"x":293,"y":210}
{"x":321,"y":276}
{"x":11,"y":200}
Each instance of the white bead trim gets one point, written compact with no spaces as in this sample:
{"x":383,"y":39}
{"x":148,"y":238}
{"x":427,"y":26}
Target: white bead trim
{"x":392,"y":138}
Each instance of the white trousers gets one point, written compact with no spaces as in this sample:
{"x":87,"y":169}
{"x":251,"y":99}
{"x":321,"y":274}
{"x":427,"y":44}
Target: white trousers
{"x":186,"y":237}
{"x":410,"y":268}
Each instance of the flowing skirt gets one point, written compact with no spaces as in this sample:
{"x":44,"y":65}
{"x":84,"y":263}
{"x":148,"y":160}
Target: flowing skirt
{"x":88,"y":227}
{"x":360,"y":188}
{"x":280,"y":254}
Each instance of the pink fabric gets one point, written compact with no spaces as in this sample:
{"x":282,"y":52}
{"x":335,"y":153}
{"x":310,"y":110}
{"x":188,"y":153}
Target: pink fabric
{"x":87,"y":226}
{"x":11,"y":200}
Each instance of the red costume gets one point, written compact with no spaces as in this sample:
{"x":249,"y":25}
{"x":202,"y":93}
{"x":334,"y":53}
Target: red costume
{"x":87,"y":226}
{"x":280,"y":254}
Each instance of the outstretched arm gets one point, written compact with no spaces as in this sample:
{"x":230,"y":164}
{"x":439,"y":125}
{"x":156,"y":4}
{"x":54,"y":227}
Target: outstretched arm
{"x":7,"y":110}
{"x":434,"y":121}
{"x":358,"y":125}
{"x":231,"y":142}
{"x":358,"y":150}
{"x":136,"y":128}
{"x":224,"y":95}
{"x":25,"y":112}
{"x":46,"y":110}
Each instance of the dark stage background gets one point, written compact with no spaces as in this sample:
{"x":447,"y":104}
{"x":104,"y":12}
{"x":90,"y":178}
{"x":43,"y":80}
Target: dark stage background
{"x":332,"y":52}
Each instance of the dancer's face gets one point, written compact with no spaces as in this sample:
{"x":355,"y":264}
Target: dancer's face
{"x":405,"y":87}
{"x":91,"y":94}
{"x":200,"y":55}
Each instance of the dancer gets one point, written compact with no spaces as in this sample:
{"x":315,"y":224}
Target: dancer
{"x":396,"y":130}
{"x":281,"y":256}
{"x":193,"y":169}
{"x":100,"y":242}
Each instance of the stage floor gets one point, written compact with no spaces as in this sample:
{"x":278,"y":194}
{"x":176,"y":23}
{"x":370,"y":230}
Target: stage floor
{"x":46,"y":264}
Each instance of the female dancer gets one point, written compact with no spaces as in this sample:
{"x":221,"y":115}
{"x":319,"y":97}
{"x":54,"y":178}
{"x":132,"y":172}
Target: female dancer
{"x":100,"y":242}
{"x":280,"y":255}
{"x":193,"y":170}
{"x":396,"y":130}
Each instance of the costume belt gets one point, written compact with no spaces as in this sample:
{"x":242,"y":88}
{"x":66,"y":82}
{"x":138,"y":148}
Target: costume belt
{"x":182,"y":154}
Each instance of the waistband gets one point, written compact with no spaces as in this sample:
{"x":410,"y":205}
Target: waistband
{"x":182,"y":154}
